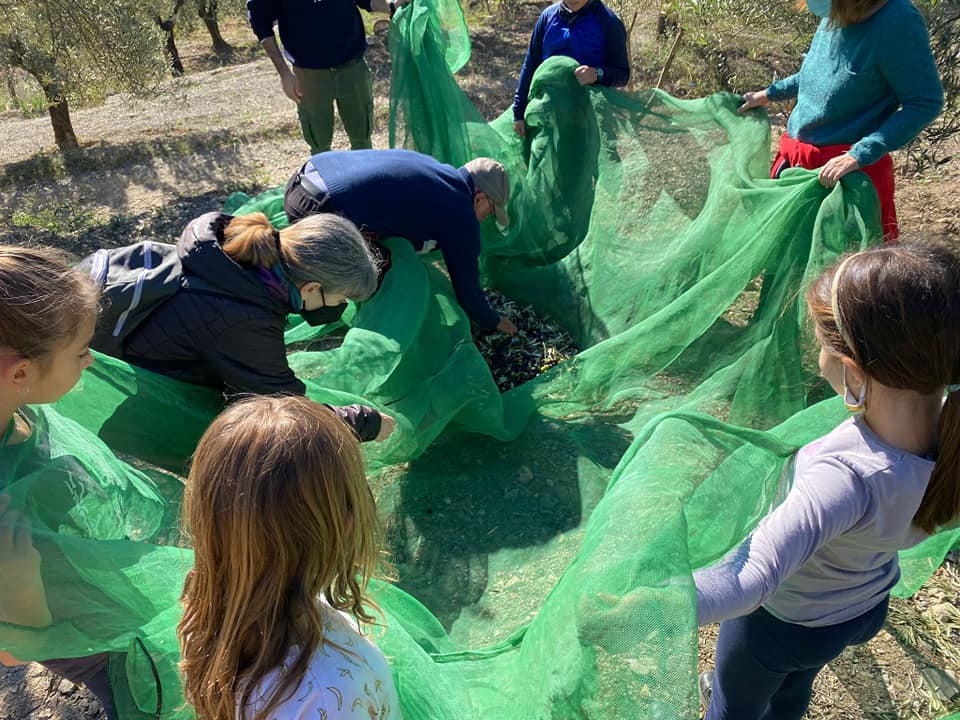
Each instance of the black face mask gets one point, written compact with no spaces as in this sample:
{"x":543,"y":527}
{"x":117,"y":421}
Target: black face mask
{"x":323,"y":315}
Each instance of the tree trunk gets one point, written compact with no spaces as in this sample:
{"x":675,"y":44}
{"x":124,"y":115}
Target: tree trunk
{"x":12,"y":87}
{"x":207,"y":10}
{"x":63,"y":133}
{"x":43,"y":68}
{"x":173,"y":55}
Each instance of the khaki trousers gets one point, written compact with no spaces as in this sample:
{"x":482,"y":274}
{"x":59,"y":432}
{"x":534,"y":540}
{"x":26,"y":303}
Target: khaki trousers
{"x":351,"y":87}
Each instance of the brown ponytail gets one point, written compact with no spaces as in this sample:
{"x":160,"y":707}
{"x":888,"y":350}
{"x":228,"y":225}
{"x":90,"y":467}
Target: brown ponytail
{"x":941,"y":501}
{"x":899,"y":308}
{"x":251,"y":240}
{"x":323,"y":248}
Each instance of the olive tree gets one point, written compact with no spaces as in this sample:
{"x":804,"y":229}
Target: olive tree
{"x":209,"y":12}
{"x":79,"y":49}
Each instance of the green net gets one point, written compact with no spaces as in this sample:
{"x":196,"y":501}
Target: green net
{"x":544,"y":538}
{"x":110,"y":570}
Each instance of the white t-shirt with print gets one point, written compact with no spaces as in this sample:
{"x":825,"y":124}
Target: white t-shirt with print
{"x":338,"y":685}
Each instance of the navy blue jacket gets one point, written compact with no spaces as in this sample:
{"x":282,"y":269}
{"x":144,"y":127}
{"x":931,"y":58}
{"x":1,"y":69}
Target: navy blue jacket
{"x":400,"y":193}
{"x":592,"y":36}
{"x":314,"y":34}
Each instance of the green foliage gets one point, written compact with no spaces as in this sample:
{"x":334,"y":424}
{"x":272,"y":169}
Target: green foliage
{"x":78,"y":50}
{"x":943,"y":22}
{"x":67,"y":218}
{"x":20,"y":92}
{"x":726,"y":45}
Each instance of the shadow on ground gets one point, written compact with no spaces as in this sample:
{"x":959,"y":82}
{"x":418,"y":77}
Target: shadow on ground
{"x":57,"y":227}
{"x":468,"y":498}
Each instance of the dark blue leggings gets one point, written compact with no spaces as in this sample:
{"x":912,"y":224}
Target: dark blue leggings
{"x":765,"y":667}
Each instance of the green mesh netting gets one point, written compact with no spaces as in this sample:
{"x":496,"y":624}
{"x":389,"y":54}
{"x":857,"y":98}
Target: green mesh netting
{"x":111,"y":575}
{"x":544,"y":538}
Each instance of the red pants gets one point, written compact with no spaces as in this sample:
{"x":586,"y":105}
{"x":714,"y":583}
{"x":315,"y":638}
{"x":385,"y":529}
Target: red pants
{"x":793,"y":153}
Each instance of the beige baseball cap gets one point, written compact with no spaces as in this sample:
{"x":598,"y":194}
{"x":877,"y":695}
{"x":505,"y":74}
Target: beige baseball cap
{"x":490,"y":178}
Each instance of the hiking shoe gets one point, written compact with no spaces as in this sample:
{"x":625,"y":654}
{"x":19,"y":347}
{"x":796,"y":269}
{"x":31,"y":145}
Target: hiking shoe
{"x":705,"y":687}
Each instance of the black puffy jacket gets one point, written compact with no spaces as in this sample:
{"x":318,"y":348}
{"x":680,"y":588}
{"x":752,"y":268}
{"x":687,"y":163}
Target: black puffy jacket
{"x":224,"y":328}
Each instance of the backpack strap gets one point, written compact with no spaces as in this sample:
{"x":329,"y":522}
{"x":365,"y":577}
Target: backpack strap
{"x":99,"y":264}
{"x":138,"y":288}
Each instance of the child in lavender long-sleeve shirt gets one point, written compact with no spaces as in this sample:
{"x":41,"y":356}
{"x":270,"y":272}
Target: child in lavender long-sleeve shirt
{"x":816,"y":574}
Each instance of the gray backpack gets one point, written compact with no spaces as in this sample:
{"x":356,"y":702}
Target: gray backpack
{"x":134,"y":280}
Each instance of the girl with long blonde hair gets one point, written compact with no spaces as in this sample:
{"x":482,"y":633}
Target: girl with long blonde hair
{"x":284,"y":531}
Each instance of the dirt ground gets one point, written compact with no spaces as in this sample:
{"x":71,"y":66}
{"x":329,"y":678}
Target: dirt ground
{"x":148,"y":166}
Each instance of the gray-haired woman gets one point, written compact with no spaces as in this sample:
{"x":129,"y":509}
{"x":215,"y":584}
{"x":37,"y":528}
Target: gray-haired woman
{"x":241,"y":277}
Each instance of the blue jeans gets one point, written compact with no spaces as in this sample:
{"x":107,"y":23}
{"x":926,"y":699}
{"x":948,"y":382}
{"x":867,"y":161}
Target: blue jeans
{"x":765,"y":667}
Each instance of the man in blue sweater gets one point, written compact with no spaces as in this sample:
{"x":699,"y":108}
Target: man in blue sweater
{"x":586,"y":30}
{"x":400,"y":193}
{"x":325,"y":42}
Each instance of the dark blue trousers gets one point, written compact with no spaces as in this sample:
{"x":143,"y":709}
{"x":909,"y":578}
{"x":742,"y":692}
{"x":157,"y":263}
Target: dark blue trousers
{"x":91,"y":671}
{"x":765,"y":667}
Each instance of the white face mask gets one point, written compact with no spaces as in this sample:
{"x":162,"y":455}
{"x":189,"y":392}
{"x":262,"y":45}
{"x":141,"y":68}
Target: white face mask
{"x":820,"y":8}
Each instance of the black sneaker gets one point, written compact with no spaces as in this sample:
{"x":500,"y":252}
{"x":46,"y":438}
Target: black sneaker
{"x":705,"y":688}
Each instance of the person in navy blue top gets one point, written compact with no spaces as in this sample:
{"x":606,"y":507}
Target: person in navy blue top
{"x":325,"y":42}
{"x":401,"y":193}
{"x":586,"y":30}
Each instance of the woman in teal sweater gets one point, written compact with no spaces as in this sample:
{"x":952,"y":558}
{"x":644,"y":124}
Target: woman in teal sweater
{"x":868,"y":85}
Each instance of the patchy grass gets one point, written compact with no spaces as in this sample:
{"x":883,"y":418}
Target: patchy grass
{"x":66,"y":219}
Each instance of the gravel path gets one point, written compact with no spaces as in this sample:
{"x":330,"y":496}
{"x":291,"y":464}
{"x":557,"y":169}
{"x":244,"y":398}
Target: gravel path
{"x":229,"y":96}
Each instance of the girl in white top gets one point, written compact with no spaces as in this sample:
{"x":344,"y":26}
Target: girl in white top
{"x":284,"y":533}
